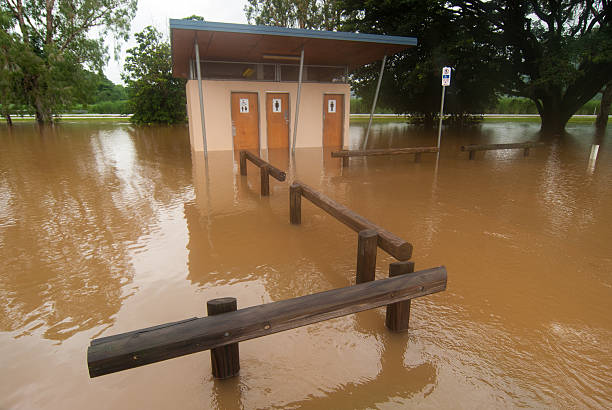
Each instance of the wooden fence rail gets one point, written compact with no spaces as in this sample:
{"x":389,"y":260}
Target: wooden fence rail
{"x":417,"y":151}
{"x":390,"y":243}
{"x":265,"y":170}
{"x":488,"y":147}
{"x":133,"y":349}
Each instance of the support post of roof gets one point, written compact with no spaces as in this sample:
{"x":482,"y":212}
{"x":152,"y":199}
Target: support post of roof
{"x":382,"y":68}
{"x":191,"y":69}
{"x":197,"y":57}
{"x":297,"y":101}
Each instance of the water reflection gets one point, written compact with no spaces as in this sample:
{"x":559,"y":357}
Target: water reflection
{"x":77,"y":199}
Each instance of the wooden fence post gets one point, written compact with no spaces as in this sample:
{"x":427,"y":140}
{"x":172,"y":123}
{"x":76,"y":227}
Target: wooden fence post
{"x":366,"y":255}
{"x":295,"y":204}
{"x":243,"y":164}
{"x":526,"y":152}
{"x":417,"y":157}
{"x":345,"y":162}
{"x":265,"y":180}
{"x":398,"y":314}
{"x":472,"y":154}
{"x":225,"y":360}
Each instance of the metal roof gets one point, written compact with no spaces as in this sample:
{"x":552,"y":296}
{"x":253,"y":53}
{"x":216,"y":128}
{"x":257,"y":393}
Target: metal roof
{"x":243,"y":42}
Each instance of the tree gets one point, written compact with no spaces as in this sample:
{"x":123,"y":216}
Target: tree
{"x":412,"y":79}
{"x":311,"y":14}
{"x":53,"y":47}
{"x":559,"y":52}
{"x":604,"y":108}
{"x":154,"y":95}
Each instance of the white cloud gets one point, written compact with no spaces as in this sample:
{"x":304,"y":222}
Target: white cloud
{"x":157,"y":12}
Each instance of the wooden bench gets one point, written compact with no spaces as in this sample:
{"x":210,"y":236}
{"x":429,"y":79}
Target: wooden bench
{"x":265,"y":170}
{"x":417,"y":151}
{"x":488,"y":147}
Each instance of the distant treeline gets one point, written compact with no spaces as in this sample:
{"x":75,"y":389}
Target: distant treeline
{"x":505,"y":105}
{"x":108,"y":98}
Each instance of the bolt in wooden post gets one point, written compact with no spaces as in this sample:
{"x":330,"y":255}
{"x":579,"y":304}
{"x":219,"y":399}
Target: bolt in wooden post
{"x":417,"y":157}
{"x":345,"y":162}
{"x":225,"y":360}
{"x":472,"y":154}
{"x":295,"y":204}
{"x":265,"y":180}
{"x":366,"y":255}
{"x":243,"y":164}
{"x":398,"y":314}
{"x":526,"y":152}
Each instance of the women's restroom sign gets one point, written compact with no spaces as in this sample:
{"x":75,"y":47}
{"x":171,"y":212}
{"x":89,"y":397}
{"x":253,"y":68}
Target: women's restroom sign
{"x":446,"y":74}
{"x":244,"y":105}
{"x":331,"y":105}
{"x":276,"y":105}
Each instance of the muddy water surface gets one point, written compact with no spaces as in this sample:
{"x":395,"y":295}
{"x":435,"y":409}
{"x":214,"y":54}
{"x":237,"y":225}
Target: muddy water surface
{"x":105,"y":228}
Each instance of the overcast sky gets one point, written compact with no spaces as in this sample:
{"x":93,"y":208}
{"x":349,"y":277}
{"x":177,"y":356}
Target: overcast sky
{"x":157,"y":12}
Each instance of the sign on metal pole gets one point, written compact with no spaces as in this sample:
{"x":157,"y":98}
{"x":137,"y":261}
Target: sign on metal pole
{"x":446,"y":76}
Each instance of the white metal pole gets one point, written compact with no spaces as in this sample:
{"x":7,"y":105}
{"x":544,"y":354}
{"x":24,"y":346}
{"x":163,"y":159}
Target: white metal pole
{"x":441,"y":115}
{"x":382,"y":68}
{"x":297,"y":102}
{"x":197,"y":57}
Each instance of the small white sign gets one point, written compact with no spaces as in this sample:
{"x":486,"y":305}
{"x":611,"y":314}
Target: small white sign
{"x":331,"y":105}
{"x":446,"y":76}
{"x":277,"y":105}
{"x":244,"y":105}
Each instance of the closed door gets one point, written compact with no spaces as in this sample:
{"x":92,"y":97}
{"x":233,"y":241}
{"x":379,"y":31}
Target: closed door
{"x":245,"y":121}
{"x":333,"y":119}
{"x":277,"y":117}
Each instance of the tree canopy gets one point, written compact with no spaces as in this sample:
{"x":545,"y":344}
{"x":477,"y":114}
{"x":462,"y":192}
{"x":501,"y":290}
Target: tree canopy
{"x":558,"y":52}
{"x":52,"y":44}
{"x":154,"y":95}
{"x":312,"y":14}
{"x":412,"y":79}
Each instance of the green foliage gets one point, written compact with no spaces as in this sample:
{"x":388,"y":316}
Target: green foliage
{"x":51,"y":48}
{"x":154,"y":95}
{"x":412,"y":79}
{"x":311,"y":14}
{"x":557,"y":53}
{"x":359,"y":106}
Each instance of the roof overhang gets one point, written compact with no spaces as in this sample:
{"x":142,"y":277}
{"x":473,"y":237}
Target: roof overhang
{"x":269,"y":44}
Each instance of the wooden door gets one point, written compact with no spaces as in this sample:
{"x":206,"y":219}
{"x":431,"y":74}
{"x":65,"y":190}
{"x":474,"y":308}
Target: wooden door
{"x":333,"y":119}
{"x":277,"y":117}
{"x":245,"y":121}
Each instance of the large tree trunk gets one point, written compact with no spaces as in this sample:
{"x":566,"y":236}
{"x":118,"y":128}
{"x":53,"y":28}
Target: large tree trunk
{"x":604,"y":108}
{"x":43,"y":114}
{"x":552,"y":114}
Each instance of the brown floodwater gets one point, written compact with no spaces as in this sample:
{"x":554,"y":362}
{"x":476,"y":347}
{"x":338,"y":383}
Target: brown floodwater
{"x":107,"y":228}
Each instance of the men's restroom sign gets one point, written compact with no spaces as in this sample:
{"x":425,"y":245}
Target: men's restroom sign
{"x":331,"y":105}
{"x":244,"y":105}
{"x":446,"y":75}
{"x":276,"y":105}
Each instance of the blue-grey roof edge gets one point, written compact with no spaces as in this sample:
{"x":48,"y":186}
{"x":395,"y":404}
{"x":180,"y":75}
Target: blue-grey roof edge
{"x":295,"y":32}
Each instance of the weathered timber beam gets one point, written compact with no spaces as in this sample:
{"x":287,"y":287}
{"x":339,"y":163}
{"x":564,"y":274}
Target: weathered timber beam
{"x":489,"y":147}
{"x":155,"y":344}
{"x":390,"y":151}
{"x":275,"y":172}
{"x":390,"y":243}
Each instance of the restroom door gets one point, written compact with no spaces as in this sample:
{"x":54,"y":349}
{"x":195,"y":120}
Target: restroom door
{"x":245,"y":121}
{"x":277,"y":117}
{"x":333,"y":119}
